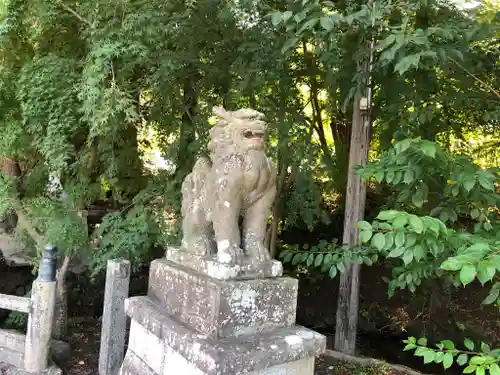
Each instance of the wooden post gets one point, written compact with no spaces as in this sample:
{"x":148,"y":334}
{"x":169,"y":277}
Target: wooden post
{"x":41,"y":317}
{"x":348,"y":300}
{"x":114,"y":319}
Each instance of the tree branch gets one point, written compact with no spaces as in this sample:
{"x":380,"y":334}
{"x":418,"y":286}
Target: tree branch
{"x":475,"y":77}
{"x":73,"y":12}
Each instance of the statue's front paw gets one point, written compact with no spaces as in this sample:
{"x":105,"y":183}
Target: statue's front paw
{"x":230,"y":254}
{"x":262,"y":253}
{"x":199,"y":245}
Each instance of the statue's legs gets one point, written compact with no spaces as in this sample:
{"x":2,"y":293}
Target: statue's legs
{"x":196,"y":229}
{"x":255,"y":227}
{"x":227,"y":232}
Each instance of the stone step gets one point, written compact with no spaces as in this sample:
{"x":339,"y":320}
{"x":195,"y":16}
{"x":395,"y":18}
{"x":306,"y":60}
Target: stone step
{"x":12,"y":356}
{"x":170,"y":342}
{"x":223,"y":308}
{"x":14,"y":342}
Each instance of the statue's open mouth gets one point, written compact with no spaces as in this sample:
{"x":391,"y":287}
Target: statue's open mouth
{"x":252,"y":134}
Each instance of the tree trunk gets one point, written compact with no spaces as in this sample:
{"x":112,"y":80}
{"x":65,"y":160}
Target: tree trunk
{"x":10,"y":167}
{"x":60,"y":327}
{"x":348,"y":300}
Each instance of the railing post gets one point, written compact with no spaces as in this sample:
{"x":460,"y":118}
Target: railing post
{"x":41,"y":316}
{"x":114,"y":319}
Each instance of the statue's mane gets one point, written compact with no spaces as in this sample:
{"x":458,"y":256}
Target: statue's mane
{"x":225,"y":135}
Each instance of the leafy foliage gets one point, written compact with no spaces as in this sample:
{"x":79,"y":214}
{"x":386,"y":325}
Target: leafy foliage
{"x":446,"y":353}
{"x":328,"y":257}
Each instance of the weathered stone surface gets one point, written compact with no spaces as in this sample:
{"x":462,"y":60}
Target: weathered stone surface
{"x":133,"y":365}
{"x":11,"y":356}
{"x":208,"y":265}
{"x":169,"y":341}
{"x":114,"y":320}
{"x":222,"y":308}
{"x":40,"y":323}
{"x":12,"y":345}
{"x":238,"y":179}
{"x":6,"y":369}
{"x":176,"y":364}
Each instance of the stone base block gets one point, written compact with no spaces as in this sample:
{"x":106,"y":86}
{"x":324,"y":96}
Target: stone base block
{"x":209,"y":266}
{"x":12,"y":346}
{"x":6,"y":369}
{"x":134,"y":365}
{"x":220,"y":308}
{"x":161,"y":345}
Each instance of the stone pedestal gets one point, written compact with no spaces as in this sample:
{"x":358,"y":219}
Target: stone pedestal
{"x":194,"y":324}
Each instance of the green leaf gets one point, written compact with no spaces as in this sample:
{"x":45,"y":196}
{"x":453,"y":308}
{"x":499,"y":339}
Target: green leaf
{"x":418,"y":199}
{"x":287,"y":257}
{"x":462,"y":359}
{"x":467,"y":274}
{"x":379,"y":175}
{"x":494,"y":369}
{"x":470,"y":369}
{"x":310,"y":260}
{"x":409,"y":346}
{"x":365,"y":235}
{"x":364,"y":225}
{"x":486,"y":180}
{"x":378,"y":241}
{"x":485,"y":348}
{"x":289,"y":44}
{"x":447,"y":360}
{"x":408,"y":177}
{"x":469,"y":183}
{"x":480,"y":371}
{"x":448,"y":345}
{"x":396,"y":253}
{"x":474,"y":213}
{"x":287,"y":15}
{"x":328,"y":259}
{"x":332,"y":272}
{"x":477,"y":360}
{"x":411,"y":240}
{"x":406,"y":63}
{"x":400,"y":221}
{"x":387,"y":215}
{"x":408,"y":256}
{"x":420,"y":352}
{"x":429,"y":357}
{"x":296,"y":259}
{"x":439,"y":357}
{"x":389,"y":240}
{"x":390,"y":177}
{"x":485,"y":272}
{"x":428,"y":148}
{"x":469,"y":344}
{"x":318,"y":260}
{"x":276,"y":18}
{"x":327,"y":23}
{"x":416,"y":224}
{"x":422,"y":341}
{"x":399,"y":241}
{"x":418,"y":252}
{"x":492,"y":295}
{"x":308,"y":25}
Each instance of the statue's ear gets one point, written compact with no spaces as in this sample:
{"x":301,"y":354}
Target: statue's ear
{"x":222,"y":113}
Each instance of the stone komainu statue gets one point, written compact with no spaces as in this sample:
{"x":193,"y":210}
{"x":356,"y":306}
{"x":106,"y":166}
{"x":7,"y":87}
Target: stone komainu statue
{"x":237,"y":181}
